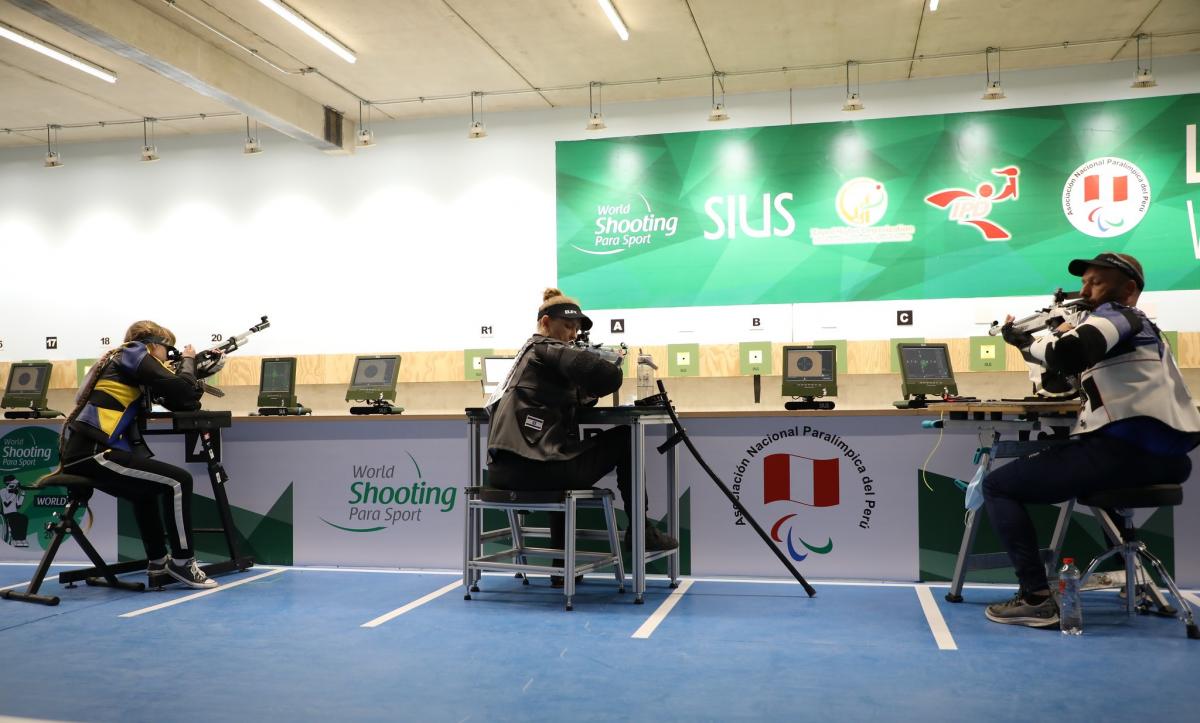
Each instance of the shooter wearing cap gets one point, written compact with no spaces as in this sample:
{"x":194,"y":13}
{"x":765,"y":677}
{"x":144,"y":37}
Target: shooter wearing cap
{"x":533,"y":436}
{"x":1137,"y":416}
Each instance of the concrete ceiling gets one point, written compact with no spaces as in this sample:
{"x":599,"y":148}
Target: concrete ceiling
{"x":170,"y":64}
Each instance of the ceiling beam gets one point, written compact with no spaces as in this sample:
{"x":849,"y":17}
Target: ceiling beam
{"x":134,"y":32}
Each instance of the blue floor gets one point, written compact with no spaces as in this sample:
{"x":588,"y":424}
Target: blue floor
{"x":290,"y":646}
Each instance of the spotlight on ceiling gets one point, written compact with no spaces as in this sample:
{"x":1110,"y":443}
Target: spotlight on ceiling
{"x":251,"y":147}
{"x":53,"y":160}
{"x":853,"y":99}
{"x":149,"y":150}
{"x":717,"y":113}
{"x":595,"y":108}
{"x":365,"y":137}
{"x":993,"y":91}
{"x":1145,"y":76}
{"x":477,"y":129}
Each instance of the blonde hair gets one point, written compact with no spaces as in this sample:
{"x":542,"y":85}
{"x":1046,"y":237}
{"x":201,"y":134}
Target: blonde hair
{"x":146,"y":328}
{"x":552,"y":297}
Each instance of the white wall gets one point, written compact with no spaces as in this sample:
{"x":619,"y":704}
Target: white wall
{"x":416,"y":243}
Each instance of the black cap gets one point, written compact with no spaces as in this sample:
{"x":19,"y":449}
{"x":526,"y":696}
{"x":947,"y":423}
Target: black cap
{"x":567,"y":311}
{"x":1110,"y":260}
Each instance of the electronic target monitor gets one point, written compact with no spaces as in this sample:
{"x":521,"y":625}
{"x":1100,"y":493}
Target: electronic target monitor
{"x":28,"y":384}
{"x":925,"y":370}
{"x":495,"y":370}
{"x":277,"y":382}
{"x":374,"y":377}
{"x":810,"y":371}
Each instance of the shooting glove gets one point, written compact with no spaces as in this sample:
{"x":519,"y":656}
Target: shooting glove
{"x":1019,"y":339}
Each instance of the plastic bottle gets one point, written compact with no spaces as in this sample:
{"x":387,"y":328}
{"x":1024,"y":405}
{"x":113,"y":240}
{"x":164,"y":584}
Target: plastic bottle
{"x":1070,"y":614}
{"x":645,"y":375}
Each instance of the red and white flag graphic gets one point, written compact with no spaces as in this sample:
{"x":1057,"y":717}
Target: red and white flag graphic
{"x":794,"y":477}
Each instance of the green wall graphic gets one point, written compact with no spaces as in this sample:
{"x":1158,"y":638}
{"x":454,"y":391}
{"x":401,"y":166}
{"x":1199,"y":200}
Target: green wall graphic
{"x":938,"y":206}
{"x":941,"y":519}
{"x":265,"y":537}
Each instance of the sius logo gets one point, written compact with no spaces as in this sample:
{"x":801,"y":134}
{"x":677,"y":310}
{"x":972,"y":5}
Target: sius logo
{"x":1106,"y":197}
{"x":729,"y":214}
{"x":620,"y":227}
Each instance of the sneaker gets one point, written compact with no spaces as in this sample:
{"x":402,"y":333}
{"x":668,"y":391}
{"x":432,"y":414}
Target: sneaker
{"x":156,"y":571}
{"x":1018,"y":612}
{"x":556,"y":581}
{"x":656,"y":540}
{"x":190,"y":574}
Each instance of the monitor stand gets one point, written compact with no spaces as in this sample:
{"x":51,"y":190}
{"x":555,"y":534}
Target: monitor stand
{"x":34,"y":413}
{"x":917,"y":402}
{"x":377,"y":406}
{"x":807,"y":404}
{"x":297,"y":410}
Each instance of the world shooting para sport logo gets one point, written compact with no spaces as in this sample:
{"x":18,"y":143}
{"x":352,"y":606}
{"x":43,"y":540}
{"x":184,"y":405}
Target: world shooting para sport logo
{"x":620,"y":227}
{"x":1106,"y":197}
{"x":971,"y":208}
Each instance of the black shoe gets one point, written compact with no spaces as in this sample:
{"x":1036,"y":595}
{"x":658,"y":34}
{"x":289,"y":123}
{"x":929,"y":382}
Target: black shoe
{"x":156,"y":573}
{"x":1018,"y":612}
{"x":188,"y":573}
{"x":656,"y":540}
{"x":556,"y":581}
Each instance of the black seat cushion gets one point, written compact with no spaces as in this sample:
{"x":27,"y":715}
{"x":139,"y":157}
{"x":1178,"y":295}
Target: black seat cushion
{"x":1147,"y":496}
{"x":78,"y":488}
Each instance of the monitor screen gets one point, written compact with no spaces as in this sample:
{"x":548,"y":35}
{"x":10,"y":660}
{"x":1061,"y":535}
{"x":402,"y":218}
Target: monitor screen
{"x":810,"y":371}
{"x":809,"y":364}
{"x":28,"y":379}
{"x":495,"y":369}
{"x":925,"y":362}
{"x":277,"y":376}
{"x":375,"y":372}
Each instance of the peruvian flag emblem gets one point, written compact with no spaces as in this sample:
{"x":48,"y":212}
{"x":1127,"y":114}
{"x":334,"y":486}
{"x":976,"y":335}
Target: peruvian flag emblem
{"x":796,"y":478}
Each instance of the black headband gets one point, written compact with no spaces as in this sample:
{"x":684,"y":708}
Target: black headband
{"x":151,"y":339}
{"x":567,"y":310}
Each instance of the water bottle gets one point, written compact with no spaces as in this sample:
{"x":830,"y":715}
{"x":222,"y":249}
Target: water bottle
{"x":1070,"y":614}
{"x":645,"y":375}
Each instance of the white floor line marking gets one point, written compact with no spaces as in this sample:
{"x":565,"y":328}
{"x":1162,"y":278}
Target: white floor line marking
{"x":933,"y":616}
{"x":412,"y":605}
{"x":660,"y":614}
{"x":19,"y":584}
{"x":1192,"y":597}
{"x":203,"y":593}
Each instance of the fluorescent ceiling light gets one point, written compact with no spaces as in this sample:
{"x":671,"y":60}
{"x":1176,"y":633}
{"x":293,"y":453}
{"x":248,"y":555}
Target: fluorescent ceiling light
{"x":613,"y":17}
{"x":933,"y":6}
{"x":62,"y":56}
{"x":306,"y":26}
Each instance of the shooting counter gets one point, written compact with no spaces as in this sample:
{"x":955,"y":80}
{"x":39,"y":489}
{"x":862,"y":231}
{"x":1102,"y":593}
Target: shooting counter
{"x":843,"y":491}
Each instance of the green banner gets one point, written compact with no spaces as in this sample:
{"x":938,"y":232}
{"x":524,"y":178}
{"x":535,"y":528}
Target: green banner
{"x":938,"y":206}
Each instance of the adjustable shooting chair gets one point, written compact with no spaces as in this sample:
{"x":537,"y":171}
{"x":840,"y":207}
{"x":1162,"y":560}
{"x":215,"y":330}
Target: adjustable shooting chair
{"x":516,"y":558}
{"x":1109,"y":506}
{"x":79,"y":491}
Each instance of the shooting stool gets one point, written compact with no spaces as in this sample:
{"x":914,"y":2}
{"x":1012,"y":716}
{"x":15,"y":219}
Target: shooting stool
{"x":79,"y":491}
{"x":1122,"y":502}
{"x":516,"y":558}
